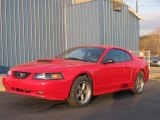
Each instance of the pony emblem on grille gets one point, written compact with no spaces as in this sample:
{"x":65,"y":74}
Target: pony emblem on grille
{"x":20,"y":74}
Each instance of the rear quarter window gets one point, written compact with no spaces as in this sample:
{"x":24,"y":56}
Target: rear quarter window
{"x":127,"y":56}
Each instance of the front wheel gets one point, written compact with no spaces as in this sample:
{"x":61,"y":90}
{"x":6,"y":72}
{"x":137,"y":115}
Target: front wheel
{"x":139,"y":84}
{"x":81,"y":92}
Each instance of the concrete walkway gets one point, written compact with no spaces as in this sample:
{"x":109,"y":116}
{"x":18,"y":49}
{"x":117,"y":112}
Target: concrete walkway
{"x":1,"y":86}
{"x":155,"y":73}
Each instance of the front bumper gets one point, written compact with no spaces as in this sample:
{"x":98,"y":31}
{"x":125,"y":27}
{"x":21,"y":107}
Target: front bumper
{"x":47,"y":89}
{"x":155,"y":64}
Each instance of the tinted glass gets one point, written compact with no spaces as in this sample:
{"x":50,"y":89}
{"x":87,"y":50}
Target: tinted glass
{"x":128,"y":57}
{"x":83,"y":54}
{"x":116,"y":55}
{"x":155,"y":58}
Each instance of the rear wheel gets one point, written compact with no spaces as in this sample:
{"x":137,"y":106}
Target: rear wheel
{"x":81,"y":92}
{"x":139,"y":84}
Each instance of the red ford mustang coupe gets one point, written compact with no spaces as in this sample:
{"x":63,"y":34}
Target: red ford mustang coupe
{"x":78,"y":74}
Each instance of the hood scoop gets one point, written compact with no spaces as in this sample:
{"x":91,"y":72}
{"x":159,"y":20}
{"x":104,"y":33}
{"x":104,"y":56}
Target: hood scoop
{"x":44,"y":61}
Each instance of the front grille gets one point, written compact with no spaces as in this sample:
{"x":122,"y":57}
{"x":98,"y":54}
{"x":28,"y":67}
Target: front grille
{"x":21,"y":90}
{"x":21,"y":75}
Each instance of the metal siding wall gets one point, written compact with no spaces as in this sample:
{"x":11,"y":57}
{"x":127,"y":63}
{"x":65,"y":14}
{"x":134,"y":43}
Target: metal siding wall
{"x":97,"y":23}
{"x":122,"y":27}
{"x":83,"y":25}
{"x":4,"y":33}
{"x":1,"y":46}
{"x":30,"y":29}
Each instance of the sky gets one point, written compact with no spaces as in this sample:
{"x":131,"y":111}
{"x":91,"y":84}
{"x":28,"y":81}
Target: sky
{"x":150,"y":11}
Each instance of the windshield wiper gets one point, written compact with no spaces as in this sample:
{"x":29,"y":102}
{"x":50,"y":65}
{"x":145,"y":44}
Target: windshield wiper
{"x":72,"y":58}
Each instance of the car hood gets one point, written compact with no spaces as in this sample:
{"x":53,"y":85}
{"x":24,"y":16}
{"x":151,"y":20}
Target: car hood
{"x":48,"y":65}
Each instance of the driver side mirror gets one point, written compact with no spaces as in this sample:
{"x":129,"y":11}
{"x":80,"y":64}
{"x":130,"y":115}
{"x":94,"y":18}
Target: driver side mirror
{"x":108,"y":61}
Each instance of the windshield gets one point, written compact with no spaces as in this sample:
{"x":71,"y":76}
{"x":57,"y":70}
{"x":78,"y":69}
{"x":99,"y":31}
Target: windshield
{"x":155,"y":58}
{"x":82,"y":54}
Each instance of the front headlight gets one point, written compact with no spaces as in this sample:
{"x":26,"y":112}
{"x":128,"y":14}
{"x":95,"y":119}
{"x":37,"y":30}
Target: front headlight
{"x":48,"y":76}
{"x":9,"y":73}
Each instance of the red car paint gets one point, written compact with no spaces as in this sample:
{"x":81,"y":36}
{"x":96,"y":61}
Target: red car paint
{"x":106,"y":78}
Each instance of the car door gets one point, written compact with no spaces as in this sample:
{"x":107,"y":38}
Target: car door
{"x":129,"y":66}
{"x":114,"y":75}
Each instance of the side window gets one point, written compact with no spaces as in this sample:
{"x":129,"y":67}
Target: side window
{"x":127,"y":56}
{"x":116,"y":55}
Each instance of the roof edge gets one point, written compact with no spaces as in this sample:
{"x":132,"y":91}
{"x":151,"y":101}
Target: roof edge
{"x":135,"y":13}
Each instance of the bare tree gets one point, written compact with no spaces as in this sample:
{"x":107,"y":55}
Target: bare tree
{"x":157,"y":44}
{"x":151,"y":42}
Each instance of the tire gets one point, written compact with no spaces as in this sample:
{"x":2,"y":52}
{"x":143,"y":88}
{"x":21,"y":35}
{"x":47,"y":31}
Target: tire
{"x":81,"y":92}
{"x":139,"y":84}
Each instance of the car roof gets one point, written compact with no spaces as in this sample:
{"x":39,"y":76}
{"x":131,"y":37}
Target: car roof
{"x":103,"y":46}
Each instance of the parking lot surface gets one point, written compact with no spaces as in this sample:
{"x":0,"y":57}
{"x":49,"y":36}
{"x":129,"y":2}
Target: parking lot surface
{"x":117,"y":106}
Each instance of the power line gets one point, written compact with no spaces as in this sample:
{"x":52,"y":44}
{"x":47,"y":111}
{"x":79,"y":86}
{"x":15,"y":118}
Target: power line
{"x":149,"y":5}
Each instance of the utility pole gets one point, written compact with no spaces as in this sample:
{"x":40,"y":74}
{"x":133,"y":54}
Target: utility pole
{"x":137,"y":7}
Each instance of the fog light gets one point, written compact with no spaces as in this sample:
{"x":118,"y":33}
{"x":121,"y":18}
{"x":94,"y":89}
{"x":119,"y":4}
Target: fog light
{"x":40,"y":92}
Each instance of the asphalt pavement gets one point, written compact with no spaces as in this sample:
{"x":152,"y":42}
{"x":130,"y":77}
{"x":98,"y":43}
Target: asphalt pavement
{"x":118,"y":106}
